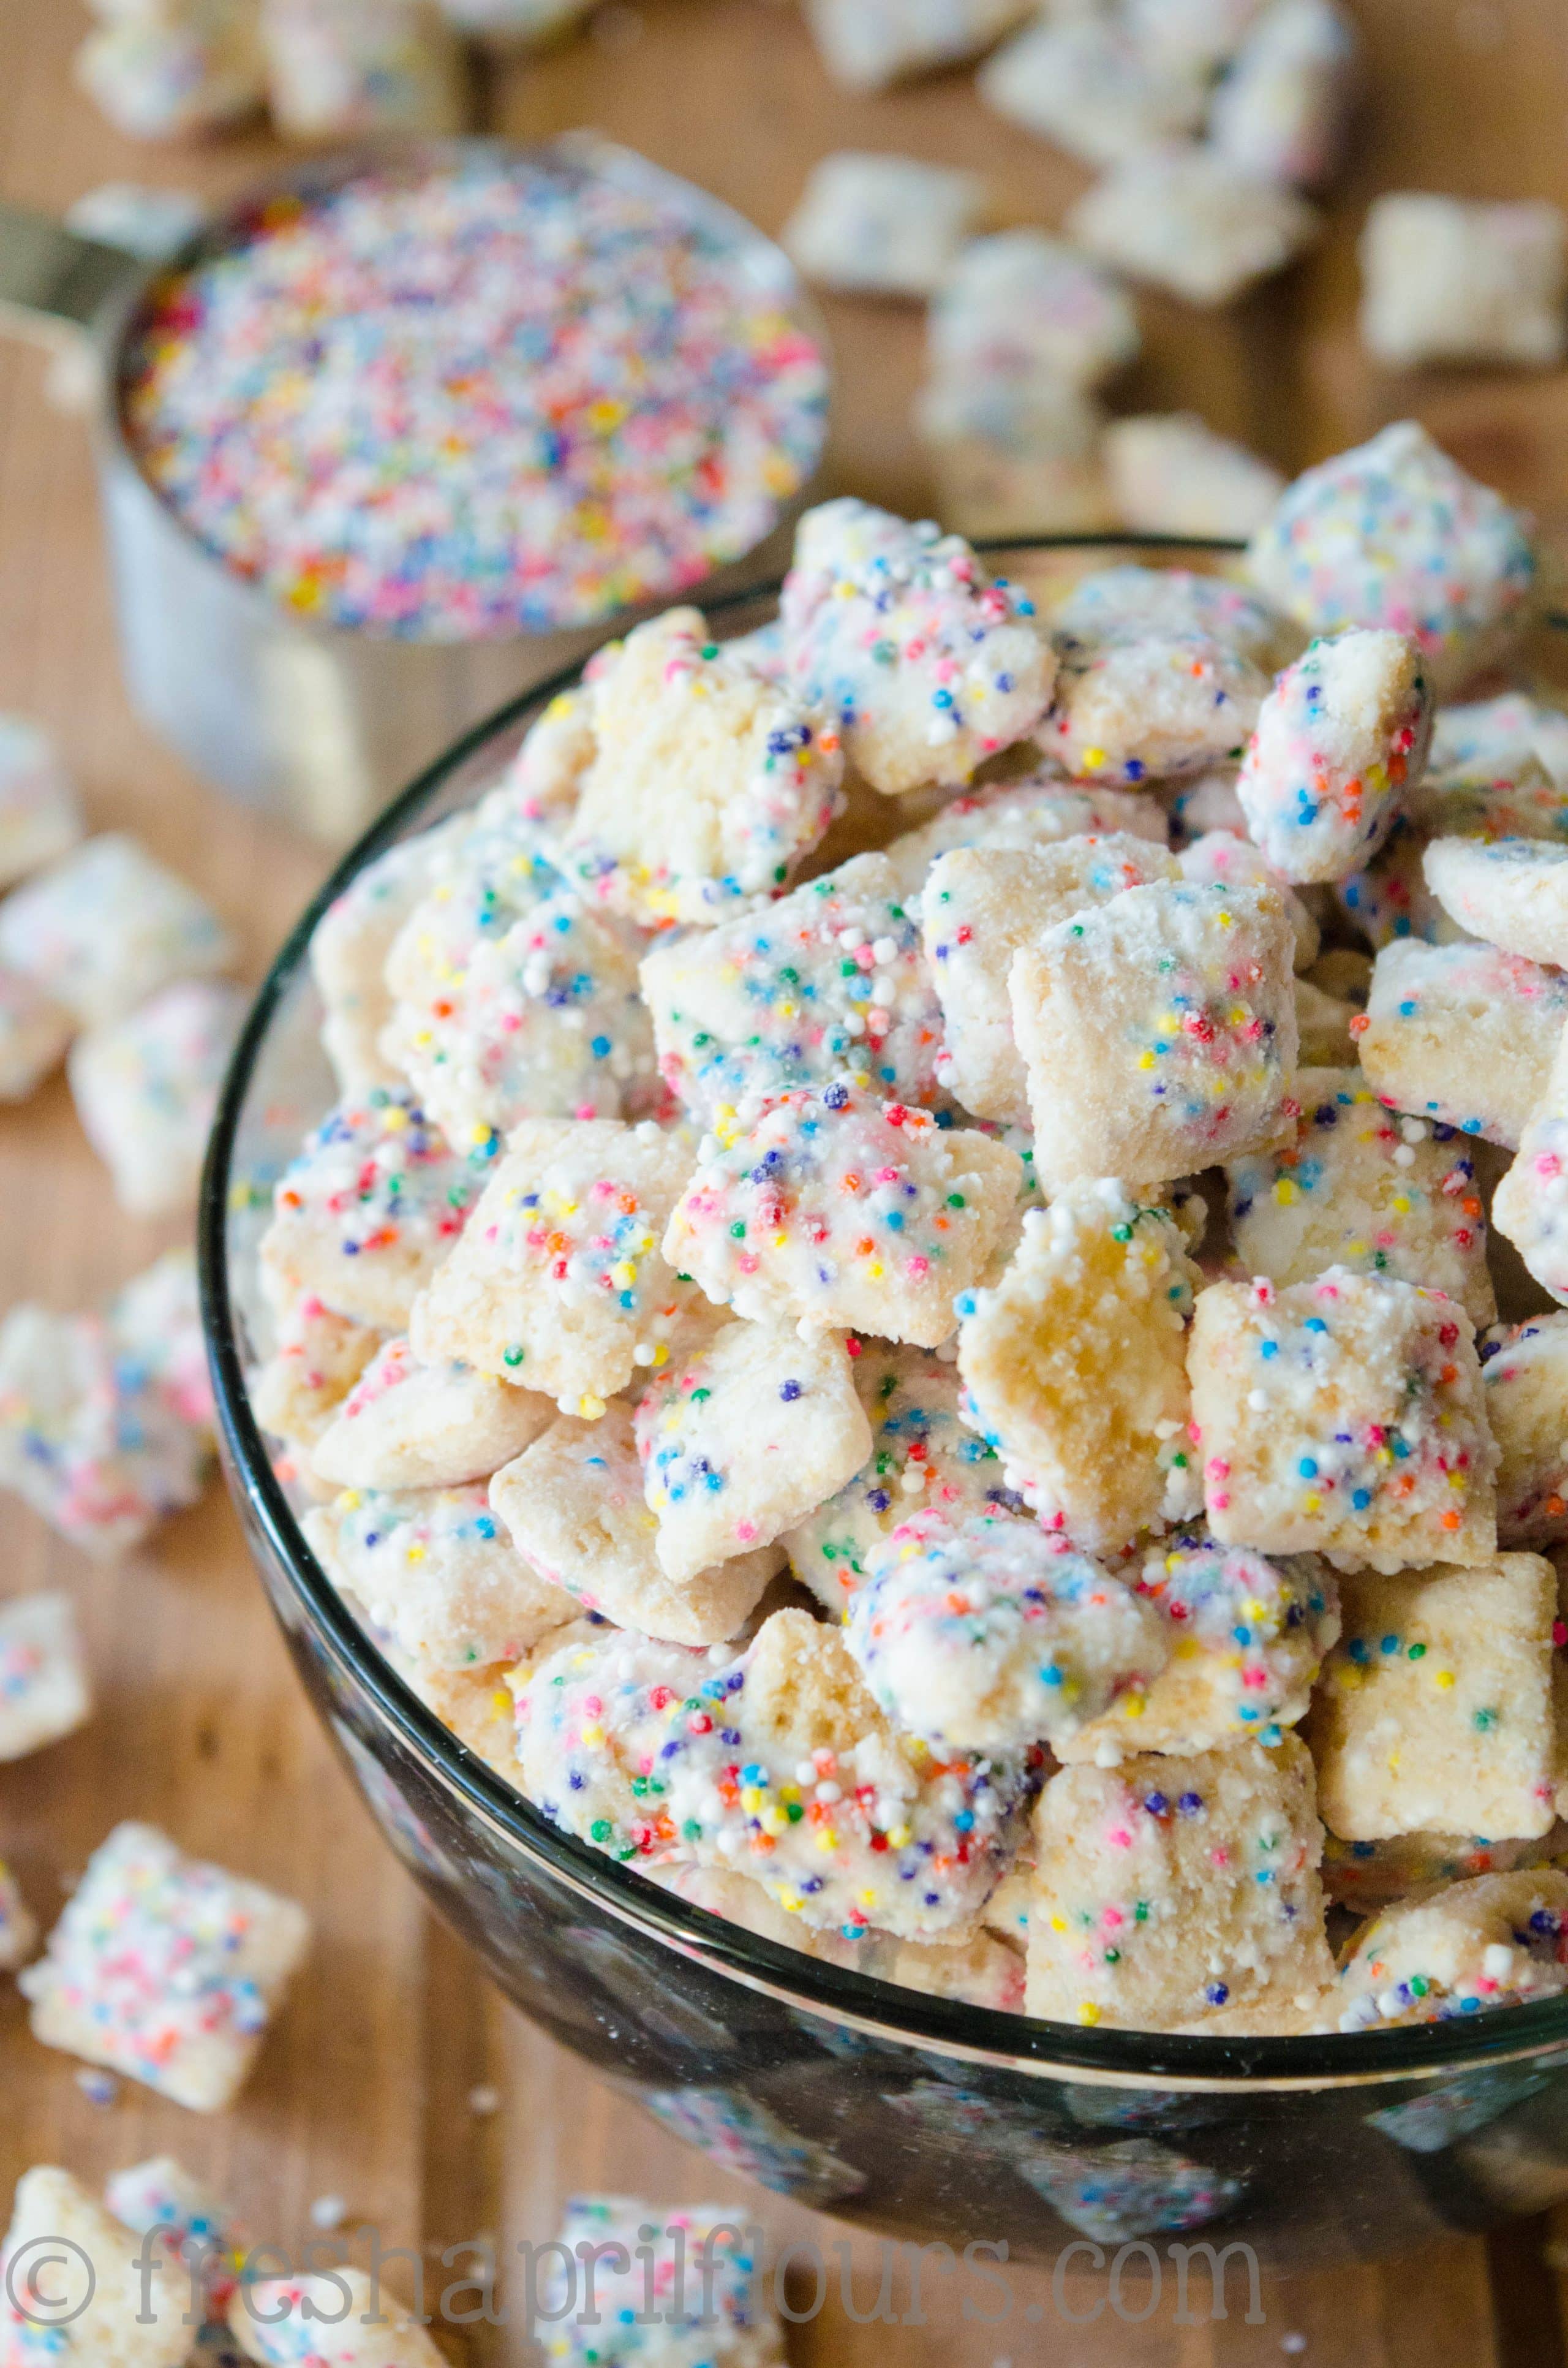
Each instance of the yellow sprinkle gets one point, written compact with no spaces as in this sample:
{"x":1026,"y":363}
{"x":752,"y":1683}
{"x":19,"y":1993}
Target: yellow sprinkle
{"x":1088,"y":2011}
{"x":589,"y":1406}
{"x":1445,"y":1678}
{"x":1059,"y":1923}
{"x":1093,"y":759}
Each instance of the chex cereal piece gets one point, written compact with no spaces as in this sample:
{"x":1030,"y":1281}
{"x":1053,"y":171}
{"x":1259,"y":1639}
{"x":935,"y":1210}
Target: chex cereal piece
{"x":1083,"y":82}
{"x":1033,"y":812}
{"x":574,"y":1508}
{"x":1158,"y":1031}
{"x":316,"y":1361}
{"x":865,"y":44}
{"x":164,"y":77}
{"x":1170,"y":473}
{"x":44,"y":1692}
{"x":350,"y":946}
{"x":1435,"y":1712}
{"x":896,"y":630}
{"x":405,"y":1425}
{"x":923,"y":1459}
{"x":779,"y":1762}
{"x":1323,"y":1028}
{"x":489,"y":875}
{"x":1183,"y":219}
{"x":371,"y":1204}
{"x":107,"y":925}
{"x":1512,"y":891}
{"x":1358,"y":1186}
{"x":1498,"y":1940}
{"x":435,"y":1569}
{"x":711,"y":2298}
{"x":708,"y":781}
{"x":1014,"y":455}
{"x":828,"y":982}
{"x":742,"y":1439}
{"x":146,"y":1088}
{"x":200,"y":2241}
{"x":352,"y":69}
{"x":40,"y":814}
{"x":982,"y":1971}
{"x":34,"y":1031}
{"x":1128,"y":603}
{"x":1367,"y":1875}
{"x":1446,"y":280}
{"x":979,"y":905}
{"x":18,"y":1928}
{"x":1283,"y":110}
{"x":1222,"y":858}
{"x":985,"y":1634}
{"x":88,"y":1436}
{"x":1496,"y":735}
{"x":92,"y":2301}
{"x":844,"y":1213}
{"x":155,"y":1319}
{"x":1161,"y":704}
{"x":1075,"y":1366}
{"x":1193,"y":36}
{"x":545,"y":776}
{"x":166,"y":1969}
{"x":559,"y":1280}
{"x":1395,"y":534}
{"x":1344,"y":1416}
{"x":1461,"y":1033}
{"x":1172,"y":1885}
{"x":1247,"y":1637}
{"x":1337,"y":737}
{"x":1525,"y":1368}
{"x":1529,"y":1207}
{"x":299,"y":2322}
{"x":883,"y":225}
{"x":1021,"y":303}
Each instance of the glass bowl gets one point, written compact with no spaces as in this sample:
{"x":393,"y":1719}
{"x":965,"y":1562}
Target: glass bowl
{"x":930,"y":2118}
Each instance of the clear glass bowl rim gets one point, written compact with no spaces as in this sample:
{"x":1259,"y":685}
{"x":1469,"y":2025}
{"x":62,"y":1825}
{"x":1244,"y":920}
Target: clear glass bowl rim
{"x":878,"y":2010}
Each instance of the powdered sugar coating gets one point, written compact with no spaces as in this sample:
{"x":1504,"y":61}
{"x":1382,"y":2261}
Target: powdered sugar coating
{"x":1461,"y":1033}
{"x":44,"y":1688}
{"x":1512,"y":891}
{"x":405,"y":1425}
{"x":1497,"y":1940}
{"x":1338,"y":735}
{"x":436,"y":1570}
{"x":1525,"y":1368}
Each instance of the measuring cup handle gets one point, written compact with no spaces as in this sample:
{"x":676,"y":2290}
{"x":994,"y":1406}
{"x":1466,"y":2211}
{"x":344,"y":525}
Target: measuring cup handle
{"x":55,"y":284}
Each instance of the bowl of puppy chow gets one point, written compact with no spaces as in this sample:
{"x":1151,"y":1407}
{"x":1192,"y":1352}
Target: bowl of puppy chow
{"x":884,"y":1283}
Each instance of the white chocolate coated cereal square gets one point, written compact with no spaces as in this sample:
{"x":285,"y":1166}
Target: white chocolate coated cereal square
{"x":166,"y":77}
{"x":278,"y":2322}
{"x":1529,"y":1207}
{"x":1014,"y":455}
{"x":405,"y":1425}
{"x":147,"y":1090}
{"x":1496,"y":1940}
{"x":979,"y":905}
{"x":897,"y":632}
{"x":574,"y":1506}
{"x":1074,"y":1366}
{"x":830,"y":981}
{"x":1447,"y":280}
{"x":435,"y":1570}
{"x":34,"y":1031}
{"x":65,"y":2245}
{"x":1463,"y":1033}
{"x":1435,"y":1712}
{"x":1149,"y":707}
{"x":1020,"y":302}
{"x":1497,"y":735}
{"x":316,"y":1359}
{"x":720,"y":2316}
{"x":107,"y":925}
{"x":1087,"y":85}
{"x":844,"y":1213}
{"x":1282,"y":110}
{"x":165,"y":1970}
{"x":1337,"y":737}
{"x":1525,"y":1368}
{"x":742,"y":1439}
{"x":1036,"y":812}
{"x":1396,"y":534}
{"x":1347,"y":1417}
{"x":557,"y":1279}
{"x":1158,"y":1031}
{"x":1129,"y":603}
{"x":1358,"y":1186}
{"x":350,"y":946}
{"x":1174,"y":1885}
{"x":44,"y":1688}
{"x":40,"y":814}
{"x":358,"y":68}
{"x":866,"y":44}
{"x":1223,"y":859}
{"x":1170,"y":473}
{"x":1182,"y":218}
{"x":1511,"y":891}
{"x":880,"y":224}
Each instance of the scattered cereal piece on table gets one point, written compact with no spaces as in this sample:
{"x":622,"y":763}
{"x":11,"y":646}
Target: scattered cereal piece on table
{"x":44,"y":1689}
{"x":1497,"y":1940}
{"x":350,"y":946}
{"x":1074,"y":1366}
{"x":1529,"y":1207}
{"x":1283,"y":109}
{"x":1447,"y":280}
{"x":559,"y":1280}
{"x":1014,"y":456}
{"x":405,"y":1425}
{"x":844,"y":1212}
{"x":1173,"y":1884}
{"x":155,"y":79}
{"x":352,"y":69}
{"x":1170,"y":473}
{"x":166,"y":1969}
{"x":151,"y":223}
{"x":1346,"y":1417}
{"x":18,"y":1928}
{"x":1183,"y":219}
{"x":985,"y":1634}
{"x":146,"y":1088}
{"x":880,"y":224}
{"x":1336,"y":739}
{"x":1083,"y":82}
{"x":1158,"y":1031}
{"x":41,"y":813}
{"x":66,"y":2250}
{"x":1222,"y":859}
{"x":1357,"y":1186}
{"x":740,"y":1440}
{"x":1020,"y":302}
{"x":1525,"y":1368}
{"x":575,"y":1507}
{"x":1461,"y":1033}
{"x":1435,"y":1712}
{"x":278,"y":2322}
{"x":201,"y":2244}
{"x":34,"y":1031}
{"x":107,"y":926}
{"x":1396,"y":534}
{"x":928,"y":665}
{"x":1511,"y":891}
{"x":710,"y":2295}
{"x":1193,"y":36}
{"x":866,"y":44}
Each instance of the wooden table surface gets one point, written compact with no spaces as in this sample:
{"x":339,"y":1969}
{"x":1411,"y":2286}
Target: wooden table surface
{"x":363,"y":2091}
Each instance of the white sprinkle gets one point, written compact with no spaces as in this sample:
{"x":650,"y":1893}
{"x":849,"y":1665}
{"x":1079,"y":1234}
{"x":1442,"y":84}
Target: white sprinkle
{"x":1413,"y":1129}
{"x":1259,"y":1401}
{"x":328,"y":2211}
{"x":485,"y":2099}
{"x":1497,"y":1962}
{"x":1293,"y":2344}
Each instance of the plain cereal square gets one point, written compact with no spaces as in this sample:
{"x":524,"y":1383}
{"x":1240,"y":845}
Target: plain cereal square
{"x":1347,"y":1417}
{"x":44,"y":1692}
{"x":1463,"y":1033}
{"x":1435,"y":1712}
{"x":1175,"y":1885}
{"x":1158,"y":1032}
{"x":1525,"y":1368}
{"x":349,"y":946}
